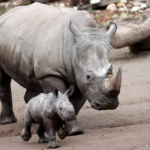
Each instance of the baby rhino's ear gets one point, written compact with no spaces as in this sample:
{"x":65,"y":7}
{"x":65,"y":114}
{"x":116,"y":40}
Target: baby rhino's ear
{"x":70,"y":91}
{"x":55,"y":92}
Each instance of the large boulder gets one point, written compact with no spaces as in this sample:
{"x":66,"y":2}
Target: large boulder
{"x":133,"y":32}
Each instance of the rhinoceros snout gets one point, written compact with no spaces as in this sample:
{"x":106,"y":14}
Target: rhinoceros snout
{"x":104,"y":105}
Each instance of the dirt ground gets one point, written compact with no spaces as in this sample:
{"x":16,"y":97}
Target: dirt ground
{"x":126,"y":128}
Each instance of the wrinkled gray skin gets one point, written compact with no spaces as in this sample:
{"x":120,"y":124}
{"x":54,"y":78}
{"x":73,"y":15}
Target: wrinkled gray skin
{"x":43,"y":47}
{"x":133,"y":32}
{"x":50,"y":111}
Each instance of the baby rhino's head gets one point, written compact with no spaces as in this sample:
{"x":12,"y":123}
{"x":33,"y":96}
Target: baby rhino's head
{"x":63,"y":106}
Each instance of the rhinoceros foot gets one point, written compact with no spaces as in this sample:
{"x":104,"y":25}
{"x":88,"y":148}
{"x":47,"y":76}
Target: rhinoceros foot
{"x":73,"y":128}
{"x":7,"y":119}
{"x":62,"y":133}
{"x":25,"y":134}
{"x":76,"y":131}
{"x":53,"y":144}
{"x":43,"y":140}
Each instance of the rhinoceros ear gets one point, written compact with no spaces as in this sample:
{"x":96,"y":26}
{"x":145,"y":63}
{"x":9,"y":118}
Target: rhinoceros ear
{"x":70,"y":91}
{"x":79,"y":37}
{"x":112,"y":27}
{"x":55,"y":92}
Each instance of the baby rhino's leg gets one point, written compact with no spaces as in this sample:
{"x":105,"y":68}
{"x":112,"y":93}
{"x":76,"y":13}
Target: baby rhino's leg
{"x":42,"y":137}
{"x":62,"y":133}
{"x":26,"y":132}
{"x":51,"y":132}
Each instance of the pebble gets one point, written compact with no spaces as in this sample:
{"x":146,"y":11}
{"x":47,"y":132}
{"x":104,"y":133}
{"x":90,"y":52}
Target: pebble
{"x":111,"y":7}
{"x":115,"y":16}
{"x":134,"y":9}
{"x":123,"y":1}
{"x":125,"y":8}
{"x":141,"y":11}
{"x":97,"y":12}
{"x":62,"y":5}
{"x":147,"y":10}
{"x":137,"y":3}
{"x":129,"y":5}
{"x":123,"y":15}
{"x":121,"y":9}
{"x":143,"y":6}
{"x":130,"y":16}
{"x":120,"y":4}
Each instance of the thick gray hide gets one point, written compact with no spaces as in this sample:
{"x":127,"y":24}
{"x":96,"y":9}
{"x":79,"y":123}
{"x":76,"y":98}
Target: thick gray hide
{"x":42,"y":47}
{"x":36,"y":42}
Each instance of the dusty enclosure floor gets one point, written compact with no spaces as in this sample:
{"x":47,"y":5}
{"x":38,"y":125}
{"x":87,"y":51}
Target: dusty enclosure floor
{"x":126,"y":128}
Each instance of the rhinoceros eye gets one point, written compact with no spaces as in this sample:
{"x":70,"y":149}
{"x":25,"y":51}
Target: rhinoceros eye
{"x":89,"y":76}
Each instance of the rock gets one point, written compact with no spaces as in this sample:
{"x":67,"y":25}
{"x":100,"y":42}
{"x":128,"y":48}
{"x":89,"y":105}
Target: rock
{"x":130,"y":16}
{"x":141,"y":11}
{"x":147,"y":10}
{"x":123,"y":1}
{"x":137,"y":3}
{"x":55,"y":4}
{"x":129,"y":5}
{"x":95,"y":1}
{"x":125,"y":8}
{"x":123,"y":15}
{"x":76,"y":8}
{"x":97,"y":12}
{"x":115,"y":16}
{"x":7,"y":5}
{"x":62,"y":5}
{"x":120,"y":4}
{"x":135,"y":9}
{"x":111,"y":7}
{"x":121,"y":9}
{"x":17,"y":3}
{"x":143,"y":6}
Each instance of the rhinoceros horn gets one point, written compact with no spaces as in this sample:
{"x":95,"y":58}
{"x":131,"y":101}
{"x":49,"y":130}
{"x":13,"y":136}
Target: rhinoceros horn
{"x":79,"y":36}
{"x":113,"y":85}
{"x":111,"y":30}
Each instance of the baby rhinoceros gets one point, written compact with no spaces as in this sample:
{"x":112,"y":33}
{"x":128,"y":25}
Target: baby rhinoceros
{"x":50,"y":111}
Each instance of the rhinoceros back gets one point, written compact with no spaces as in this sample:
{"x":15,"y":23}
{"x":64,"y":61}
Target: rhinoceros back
{"x":32,"y":40}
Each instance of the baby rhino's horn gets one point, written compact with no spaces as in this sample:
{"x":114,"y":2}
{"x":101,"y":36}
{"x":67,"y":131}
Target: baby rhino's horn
{"x":70,"y":91}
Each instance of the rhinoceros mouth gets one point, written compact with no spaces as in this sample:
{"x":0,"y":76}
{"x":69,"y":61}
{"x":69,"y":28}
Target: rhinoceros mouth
{"x":70,"y":119}
{"x":104,"y":106}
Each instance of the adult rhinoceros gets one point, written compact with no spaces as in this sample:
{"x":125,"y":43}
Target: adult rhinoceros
{"x":42,"y":47}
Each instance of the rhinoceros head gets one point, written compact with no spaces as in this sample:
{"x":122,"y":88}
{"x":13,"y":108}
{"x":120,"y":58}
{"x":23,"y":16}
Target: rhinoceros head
{"x":93,"y":72}
{"x":63,"y":106}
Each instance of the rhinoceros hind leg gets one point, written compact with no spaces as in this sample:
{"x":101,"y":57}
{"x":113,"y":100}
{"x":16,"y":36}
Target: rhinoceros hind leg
{"x":42,"y":137}
{"x":29,"y":95}
{"x":62,"y":133}
{"x":26,"y":132}
{"x":73,"y":128}
{"x":7,"y":115}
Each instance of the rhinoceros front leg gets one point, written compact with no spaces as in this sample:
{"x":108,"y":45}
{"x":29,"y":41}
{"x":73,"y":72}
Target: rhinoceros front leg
{"x":42,"y":137}
{"x":7,"y":115}
{"x":26,"y":132}
{"x":29,"y":95}
{"x":77,"y":100}
{"x":73,"y":127}
{"x":51,"y":132}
